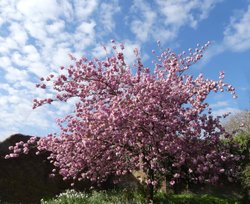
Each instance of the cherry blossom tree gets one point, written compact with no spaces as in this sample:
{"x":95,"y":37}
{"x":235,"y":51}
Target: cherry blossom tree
{"x":129,"y":118}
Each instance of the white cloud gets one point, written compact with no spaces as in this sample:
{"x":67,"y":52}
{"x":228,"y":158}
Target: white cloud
{"x":99,"y":51}
{"x":18,"y":34}
{"x":18,"y":59}
{"x":129,"y":52}
{"x":236,"y":36}
{"x":1,"y":21}
{"x":142,"y":28}
{"x":14,"y":74}
{"x":182,"y":12}
{"x":206,"y":6}
{"x":219,"y":104}
{"x":36,"y":30}
{"x":61,"y":57}
{"x":41,"y":116}
{"x":56,"y":27}
{"x":17,"y":114}
{"x":39,"y":10}
{"x":165,"y":21}
{"x":220,"y":112}
{"x":221,"y":107}
{"x":39,"y":69}
{"x":7,"y":44}
{"x":68,"y":11}
{"x":171,"y":8}
{"x":9,"y":89}
{"x":107,"y":12}
{"x":138,"y":25}
{"x":8,"y":10}
{"x":84,"y":35}
{"x":5,"y":62}
{"x":84,"y":8}
{"x":237,"y":33}
{"x":86,"y":28}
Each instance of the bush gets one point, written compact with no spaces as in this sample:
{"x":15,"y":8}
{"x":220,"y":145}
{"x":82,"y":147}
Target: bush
{"x":199,"y":199}
{"x":126,"y":197}
{"x":70,"y":196}
{"x":96,"y":197}
{"x":246,"y":179}
{"x":243,"y":139}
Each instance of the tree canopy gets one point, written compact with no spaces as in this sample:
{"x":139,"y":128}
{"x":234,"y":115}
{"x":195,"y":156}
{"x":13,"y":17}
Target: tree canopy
{"x":129,"y":118}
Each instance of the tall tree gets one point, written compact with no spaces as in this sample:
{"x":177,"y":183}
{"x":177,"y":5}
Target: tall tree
{"x":129,"y":118}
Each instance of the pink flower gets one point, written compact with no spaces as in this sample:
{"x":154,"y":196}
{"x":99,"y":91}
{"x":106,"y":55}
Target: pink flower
{"x":177,"y":175}
{"x":222,"y":170}
{"x":172,"y":182}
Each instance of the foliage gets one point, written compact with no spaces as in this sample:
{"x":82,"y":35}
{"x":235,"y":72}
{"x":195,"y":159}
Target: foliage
{"x":243,"y":139}
{"x":100,"y":197}
{"x":103,"y":197}
{"x":200,"y":199}
{"x":246,"y":178}
{"x":239,"y":125}
{"x":70,"y":196}
{"x":127,"y":119}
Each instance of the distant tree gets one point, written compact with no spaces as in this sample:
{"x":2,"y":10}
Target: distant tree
{"x":237,"y":122}
{"x":239,"y":125}
{"x":134,"y":118}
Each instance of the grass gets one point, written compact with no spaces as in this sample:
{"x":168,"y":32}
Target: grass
{"x":126,"y":197}
{"x":100,"y":197}
{"x":200,"y":199}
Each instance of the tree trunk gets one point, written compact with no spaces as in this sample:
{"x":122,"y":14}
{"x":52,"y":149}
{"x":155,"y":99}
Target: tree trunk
{"x":167,"y":186}
{"x":167,"y":180}
{"x":150,"y":187}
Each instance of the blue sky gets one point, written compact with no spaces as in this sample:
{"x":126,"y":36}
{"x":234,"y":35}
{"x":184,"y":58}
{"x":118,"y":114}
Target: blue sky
{"x":37,"y":36}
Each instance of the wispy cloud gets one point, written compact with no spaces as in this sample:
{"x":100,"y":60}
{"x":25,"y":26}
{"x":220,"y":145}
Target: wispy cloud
{"x":107,"y":12}
{"x":221,"y":111}
{"x":143,"y":27}
{"x":237,"y":33}
{"x":219,"y":104}
{"x":223,"y":107}
{"x":166,"y":18}
{"x":236,"y":36}
{"x":180,"y":12}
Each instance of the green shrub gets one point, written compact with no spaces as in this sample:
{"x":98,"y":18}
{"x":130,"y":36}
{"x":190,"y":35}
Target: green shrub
{"x":70,"y":196}
{"x":199,"y":199}
{"x":97,"y":197}
{"x":246,"y":178}
{"x":126,"y":197}
{"x":243,"y":139}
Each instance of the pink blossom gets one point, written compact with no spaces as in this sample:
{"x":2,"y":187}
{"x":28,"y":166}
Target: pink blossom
{"x":172,"y":182}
